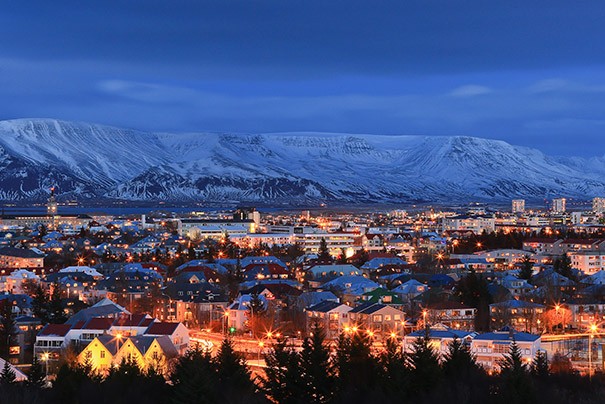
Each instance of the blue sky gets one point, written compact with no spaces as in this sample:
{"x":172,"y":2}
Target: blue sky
{"x":531,"y":74}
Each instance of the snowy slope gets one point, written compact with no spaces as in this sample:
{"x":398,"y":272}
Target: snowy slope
{"x":87,"y":160}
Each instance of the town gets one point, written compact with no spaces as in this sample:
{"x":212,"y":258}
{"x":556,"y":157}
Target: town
{"x":101,"y":290}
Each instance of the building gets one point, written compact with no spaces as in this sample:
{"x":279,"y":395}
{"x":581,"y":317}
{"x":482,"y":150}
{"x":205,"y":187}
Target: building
{"x":476,"y":224}
{"x":24,"y":258}
{"x":516,"y":313}
{"x":598,"y":205}
{"x":440,"y":338}
{"x":518,"y":206}
{"x":332,"y":316}
{"x":589,"y":262}
{"x":558,"y":205}
{"x":490,"y":348}
{"x":378,"y":319}
{"x":146,"y":351}
{"x":453,"y":315}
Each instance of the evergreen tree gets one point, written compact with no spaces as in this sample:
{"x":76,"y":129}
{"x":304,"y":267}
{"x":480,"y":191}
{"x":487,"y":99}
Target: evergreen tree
{"x":7,"y":376}
{"x":539,"y":365}
{"x":194,"y":379}
{"x":55,"y":306}
{"x":473,"y":291}
{"x":282,"y":381}
{"x":37,"y":376}
{"x":394,"y":374}
{"x":357,"y":369}
{"x":459,"y":362}
{"x":316,"y":370}
{"x":40,"y":304}
{"x":7,"y":328}
{"x":256,"y":311}
{"x":424,"y":365}
{"x":517,"y":386}
{"x":526,"y":268}
{"x":233,"y":377}
{"x":323,"y":253}
{"x":563,"y":266}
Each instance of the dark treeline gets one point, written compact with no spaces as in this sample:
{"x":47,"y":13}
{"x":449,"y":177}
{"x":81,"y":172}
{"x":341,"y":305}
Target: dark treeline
{"x":349,"y":372}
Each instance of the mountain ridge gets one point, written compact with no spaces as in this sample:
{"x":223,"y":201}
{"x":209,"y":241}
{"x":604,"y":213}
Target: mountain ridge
{"x":88,"y":161}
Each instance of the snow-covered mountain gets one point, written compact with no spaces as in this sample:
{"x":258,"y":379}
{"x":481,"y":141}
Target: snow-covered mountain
{"x":93,"y":161}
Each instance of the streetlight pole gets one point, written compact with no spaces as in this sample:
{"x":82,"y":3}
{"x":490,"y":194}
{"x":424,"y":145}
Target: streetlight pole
{"x":593,"y":328}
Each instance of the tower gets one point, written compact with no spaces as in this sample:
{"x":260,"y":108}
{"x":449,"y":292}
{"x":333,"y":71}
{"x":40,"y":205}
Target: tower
{"x":51,"y":208}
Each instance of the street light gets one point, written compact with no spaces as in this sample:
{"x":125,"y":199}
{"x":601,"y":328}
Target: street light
{"x":45,"y":358}
{"x":593,"y":329}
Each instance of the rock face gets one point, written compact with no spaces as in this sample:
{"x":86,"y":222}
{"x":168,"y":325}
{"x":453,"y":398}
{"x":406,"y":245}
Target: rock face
{"x":88,"y":161}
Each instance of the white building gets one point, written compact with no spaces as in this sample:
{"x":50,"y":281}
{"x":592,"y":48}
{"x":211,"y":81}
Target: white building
{"x":588,"y":262}
{"x":598,"y":205}
{"x":558,"y":205}
{"x":490,"y":348}
{"x":518,"y":206}
{"x":476,"y":224}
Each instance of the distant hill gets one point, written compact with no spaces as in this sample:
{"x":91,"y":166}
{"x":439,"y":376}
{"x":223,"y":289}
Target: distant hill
{"x":88,"y":161}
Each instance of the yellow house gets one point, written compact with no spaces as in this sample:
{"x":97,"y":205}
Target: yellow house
{"x":146,"y":351}
{"x":100,"y":352}
{"x":129,"y":352}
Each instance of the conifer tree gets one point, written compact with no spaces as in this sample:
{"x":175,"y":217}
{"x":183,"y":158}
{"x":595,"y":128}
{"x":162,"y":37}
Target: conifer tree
{"x":282,"y":381}
{"x":8,"y":375}
{"x":539,"y":366}
{"x":459,"y":362}
{"x":517,"y":386}
{"x":194,"y":379}
{"x":7,"y":328}
{"x":316,"y":369}
{"x":233,"y":377}
{"x":526,"y":268}
{"x":424,"y":364}
{"x":37,"y":376}
{"x":323,"y":253}
{"x":394,"y":374}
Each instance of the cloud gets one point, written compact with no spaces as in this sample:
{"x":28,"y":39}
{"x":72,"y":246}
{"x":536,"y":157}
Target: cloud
{"x":147,"y":92}
{"x":470,"y":90}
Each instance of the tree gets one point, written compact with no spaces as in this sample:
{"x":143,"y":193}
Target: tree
{"x":323,"y":253}
{"x":394,"y":374}
{"x":517,"y":386}
{"x":459,"y":362}
{"x":562,"y":265}
{"x":473,"y":291}
{"x":315,"y":365}
{"x":233,"y":377}
{"x":194,"y":379}
{"x":40,"y":304}
{"x":7,"y":328}
{"x":527,"y":268}
{"x":282,"y":382}
{"x":424,"y":364}
{"x":256,"y":310}
{"x":357,"y":368}
{"x":539,"y":366}
{"x":55,"y":306}
{"x":8,"y":375}
{"x":37,"y":376}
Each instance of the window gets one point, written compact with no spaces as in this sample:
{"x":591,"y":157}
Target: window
{"x":102,"y":355}
{"x":377,"y":318}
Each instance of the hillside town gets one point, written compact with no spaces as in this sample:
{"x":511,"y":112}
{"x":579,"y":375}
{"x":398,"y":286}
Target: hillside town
{"x":98,"y":290}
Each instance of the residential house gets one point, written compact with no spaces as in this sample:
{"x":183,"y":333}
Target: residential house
{"x":332,"y":316}
{"x":378,"y":319}
{"x":489,"y":348}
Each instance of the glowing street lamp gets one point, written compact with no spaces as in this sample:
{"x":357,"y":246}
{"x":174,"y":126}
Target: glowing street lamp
{"x":45,"y":358}
{"x":593,"y":329}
